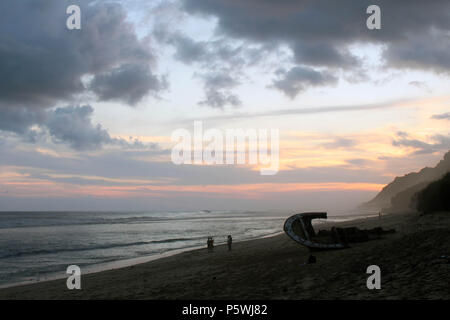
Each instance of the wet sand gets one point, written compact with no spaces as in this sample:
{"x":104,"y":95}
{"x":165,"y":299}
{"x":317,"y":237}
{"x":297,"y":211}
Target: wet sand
{"x":411,"y":265}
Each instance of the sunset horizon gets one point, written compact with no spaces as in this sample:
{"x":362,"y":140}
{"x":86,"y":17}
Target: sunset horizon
{"x":355,"y":117}
{"x":224,"y":150}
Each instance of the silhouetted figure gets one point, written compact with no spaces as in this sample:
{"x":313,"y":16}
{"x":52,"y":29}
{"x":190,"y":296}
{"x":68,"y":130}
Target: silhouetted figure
{"x":210,"y":244}
{"x":229,"y":242}
{"x":311,"y":259}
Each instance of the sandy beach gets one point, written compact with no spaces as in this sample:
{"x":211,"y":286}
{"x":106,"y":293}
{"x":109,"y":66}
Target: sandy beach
{"x":414,"y":265}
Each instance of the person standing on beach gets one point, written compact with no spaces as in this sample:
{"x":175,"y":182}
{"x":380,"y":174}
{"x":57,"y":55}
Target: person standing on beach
{"x":229,"y":242}
{"x":210,"y":244}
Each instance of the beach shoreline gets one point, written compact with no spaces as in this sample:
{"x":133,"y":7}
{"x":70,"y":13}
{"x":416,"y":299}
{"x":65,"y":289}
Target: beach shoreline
{"x":119,"y":264}
{"x":274,"y":268}
{"x":127,"y":262}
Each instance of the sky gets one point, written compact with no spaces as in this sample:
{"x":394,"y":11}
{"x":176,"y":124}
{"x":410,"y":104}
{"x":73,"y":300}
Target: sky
{"x":87,"y":116}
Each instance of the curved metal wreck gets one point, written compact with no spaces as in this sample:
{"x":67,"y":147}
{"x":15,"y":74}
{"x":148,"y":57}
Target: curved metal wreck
{"x":299,"y":228}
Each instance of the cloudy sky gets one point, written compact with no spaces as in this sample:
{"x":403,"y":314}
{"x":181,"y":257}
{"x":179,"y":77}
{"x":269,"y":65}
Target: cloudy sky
{"x":86,"y":116}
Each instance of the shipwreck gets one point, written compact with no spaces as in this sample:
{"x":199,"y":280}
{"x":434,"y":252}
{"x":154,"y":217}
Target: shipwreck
{"x":299,"y":228}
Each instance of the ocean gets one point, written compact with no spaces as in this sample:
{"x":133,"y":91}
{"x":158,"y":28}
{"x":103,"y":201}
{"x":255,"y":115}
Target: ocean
{"x":36,"y":246}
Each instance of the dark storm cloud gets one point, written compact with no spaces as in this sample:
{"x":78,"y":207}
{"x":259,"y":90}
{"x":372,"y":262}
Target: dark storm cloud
{"x":320,"y":54}
{"x":73,"y":125}
{"x":319,"y":32}
{"x":43,"y":63}
{"x":425,"y":51}
{"x":19,"y":119}
{"x":297,"y":79}
{"x":128,"y":83}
